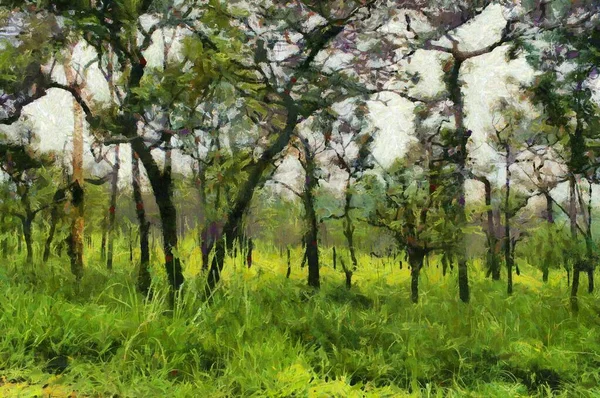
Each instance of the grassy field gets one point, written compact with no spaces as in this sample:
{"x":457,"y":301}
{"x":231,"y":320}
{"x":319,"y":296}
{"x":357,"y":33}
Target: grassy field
{"x":264,"y":335}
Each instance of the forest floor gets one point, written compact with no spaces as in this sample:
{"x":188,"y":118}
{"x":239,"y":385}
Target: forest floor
{"x":264,"y":335}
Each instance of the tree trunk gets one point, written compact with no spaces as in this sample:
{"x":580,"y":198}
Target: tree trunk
{"x":444,"y":264}
{"x":144,"y":278}
{"x":249,"y":253}
{"x":348,"y":274}
{"x":334,"y":258}
{"x":415,"y":259}
{"x":246,"y":192}
{"x":573,"y":225}
{"x":492,"y":256}
{"x":51,"y":232}
{"x":130,"y":239}
{"x":77,"y":202}
{"x":27,"y":221}
{"x":20,"y":241}
{"x":103,"y":239}
{"x":59,"y":196}
{"x":549,"y":215}
{"x":575,"y":287}
{"x":507,"y":216}
{"x":162,"y":186}
{"x":289,"y":264}
{"x":76,"y":235}
{"x":589,"y":245}
{"x":454,"y":88}
{"x":312,"y":231}
{"x":349,"y":231}
{"x":112,"y":209}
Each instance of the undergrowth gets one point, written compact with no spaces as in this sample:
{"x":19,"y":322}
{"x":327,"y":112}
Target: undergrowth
{"x":264,"y":335}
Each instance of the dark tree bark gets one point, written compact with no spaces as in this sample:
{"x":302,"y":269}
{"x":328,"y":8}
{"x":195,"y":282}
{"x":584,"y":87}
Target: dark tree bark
{"x":20,"y":241}
{"x":27,"y":235}
{"x":573,"y":225}
{"x":549,"y":214}
{"x":545,"y":274}
{"x":444,"y":264}
{"x":130,"y":239}
{"x":310,"y":217}
{"x":416,"y":257}
{"x":103,"y":239}
{"x":462,"y":136}
{"x":334,"y":258}
{"x":508,"y":258}
{"x":349,"y":230}
{"x":112,"y":209}
{"x":348,"y":274}
{"x":144,"y":278}
{"x":493,"y":262}
{"x":257,"y":168}
{"x":59,"y":196}
{"x":162,"y":186}
{"x":249,"y":253}
{"x":289,"y":264}
{"x":589,"y":246}
{"x":76,"y":235}
{"x":575,"y":287}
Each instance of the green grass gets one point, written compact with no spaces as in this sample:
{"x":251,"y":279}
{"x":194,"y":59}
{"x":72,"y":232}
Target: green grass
{"x":264,"y":335}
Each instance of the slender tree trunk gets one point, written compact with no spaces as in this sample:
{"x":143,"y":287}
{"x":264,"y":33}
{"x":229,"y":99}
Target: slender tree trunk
{"x":573,"y":225}
{"x":492,"y":255}
{"x":444,"y":264}
{"x":348,"y":274}
{"x":590,"y":238}
{"x":27,"y":222}
{"x":454,"y":88}
{"x":312,"y":231}
{"x":144,"y":277}
{"x":77,"y":194}
{"x":245,"y":193}
{"x":349,"y":229}
{"x":59,"y":196}
{"x":549,"y":214}
{"x":304,"y":255}
{"x":112,"y":209}
{"x":415,"y":259}
{"x":205,"y":246}
{"x":51,"y":232}
{"x":289,"y":264}
{"x":20,"y":241}
{"x":508,"y":258}
{"x":104,"y":227}
{"x":130,"y":230}
{"x":162,"y":186}
{"x":249,"y":253}
{"x":334,"y":258}
{"x":76,"y":235}
{"x":545,"y":274}
{"x":575,"y":287}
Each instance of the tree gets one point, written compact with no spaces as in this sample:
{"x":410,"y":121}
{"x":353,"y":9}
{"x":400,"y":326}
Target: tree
{"x":32,"y":185}
{"x":292,"y":89}
{"x":114,"y":26}
{"x":408,"y":201}
{"x":569,"y":106}
{"x":144,"y":278}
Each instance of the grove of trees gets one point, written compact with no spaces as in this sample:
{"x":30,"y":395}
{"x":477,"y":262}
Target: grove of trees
{"x":241,"y":128}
